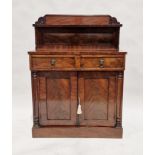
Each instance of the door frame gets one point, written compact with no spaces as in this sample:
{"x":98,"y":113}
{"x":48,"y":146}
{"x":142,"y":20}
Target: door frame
{"x":43,"y":120}
{"x":111,"y":118}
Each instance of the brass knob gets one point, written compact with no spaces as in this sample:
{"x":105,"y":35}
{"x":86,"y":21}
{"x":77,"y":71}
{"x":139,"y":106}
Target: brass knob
{"x":53,"y":61}
{"x":101,"y":63}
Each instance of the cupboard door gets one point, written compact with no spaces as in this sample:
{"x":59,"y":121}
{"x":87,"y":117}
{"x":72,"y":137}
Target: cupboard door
{"x":57,"y":98}
{"x":97,"y":96}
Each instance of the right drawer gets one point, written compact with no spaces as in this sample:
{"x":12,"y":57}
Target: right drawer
{"x":102,"y":62}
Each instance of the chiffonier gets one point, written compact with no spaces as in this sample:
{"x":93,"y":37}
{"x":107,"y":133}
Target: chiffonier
{"x":77,"y":77}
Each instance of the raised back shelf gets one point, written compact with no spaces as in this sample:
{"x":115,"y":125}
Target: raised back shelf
{"x":77,"y":31}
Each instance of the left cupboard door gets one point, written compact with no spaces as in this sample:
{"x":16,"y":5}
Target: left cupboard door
{"x":57,"y":98}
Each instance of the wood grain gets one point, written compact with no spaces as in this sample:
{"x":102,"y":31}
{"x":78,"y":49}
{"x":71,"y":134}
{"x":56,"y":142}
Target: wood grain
{"x":77,"y":132}
{"x":119,"y":99}
{"x":52,"y":30}
{"x":58,"y":20}
{"x":77,"y":38}
{"x":35,"y":99}
{"x":58,"y":98}
{"x":94,"y":62}
{"x":60,"y":62}
{"x":97,"y":97}
{"x":76,"y":63}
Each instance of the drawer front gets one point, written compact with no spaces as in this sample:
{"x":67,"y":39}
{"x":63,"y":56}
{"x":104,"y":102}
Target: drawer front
{"x":48,"y":63}
{"x":102,"y":62}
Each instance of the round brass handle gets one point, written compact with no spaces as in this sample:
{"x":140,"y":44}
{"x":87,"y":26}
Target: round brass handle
{"x":53,"y":61}
{"x":101,"y":63}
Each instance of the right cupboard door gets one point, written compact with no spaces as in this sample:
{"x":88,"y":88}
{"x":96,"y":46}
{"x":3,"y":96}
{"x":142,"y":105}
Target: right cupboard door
{"x":97,"y":97}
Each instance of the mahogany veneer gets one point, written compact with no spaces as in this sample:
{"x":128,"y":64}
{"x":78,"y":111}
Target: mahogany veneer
{"x":77,"y":77}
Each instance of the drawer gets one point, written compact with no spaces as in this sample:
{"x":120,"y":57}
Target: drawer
{"x":52,"y":62}
{"x":102,"y":62}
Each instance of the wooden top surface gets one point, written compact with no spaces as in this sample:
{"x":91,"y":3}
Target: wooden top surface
{"x":77,"y":20}
{"x":48,"y":52}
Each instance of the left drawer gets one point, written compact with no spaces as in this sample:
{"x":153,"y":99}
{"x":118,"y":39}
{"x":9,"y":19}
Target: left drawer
{"x":51,"y":62}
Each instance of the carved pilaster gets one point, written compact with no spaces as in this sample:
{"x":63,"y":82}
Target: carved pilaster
{"x":119,"y":99}
{"x":35,"y":100}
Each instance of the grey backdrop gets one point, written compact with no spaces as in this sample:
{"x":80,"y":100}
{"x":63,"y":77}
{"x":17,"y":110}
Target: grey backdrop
{"x":129,"y":13}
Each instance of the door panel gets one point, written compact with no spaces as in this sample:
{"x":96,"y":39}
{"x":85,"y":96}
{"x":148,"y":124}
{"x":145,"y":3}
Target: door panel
{"x":97,"y":93}
{"x":58,"y":98}
{"x":96,"y":98}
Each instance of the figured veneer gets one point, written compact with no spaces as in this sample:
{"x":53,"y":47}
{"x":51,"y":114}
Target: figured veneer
{"x":83,"y":20}
{"x":77,"y":77}
{"x":77,"y":62}
{"x":53,"y":62}
{"x":58,"y":98}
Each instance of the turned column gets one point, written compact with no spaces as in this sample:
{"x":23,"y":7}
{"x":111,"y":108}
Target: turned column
{"x":35,"y":99}
{"x":119,"y":99}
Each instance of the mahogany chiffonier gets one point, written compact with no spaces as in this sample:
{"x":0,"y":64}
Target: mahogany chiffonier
{"x":77,"y":77}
